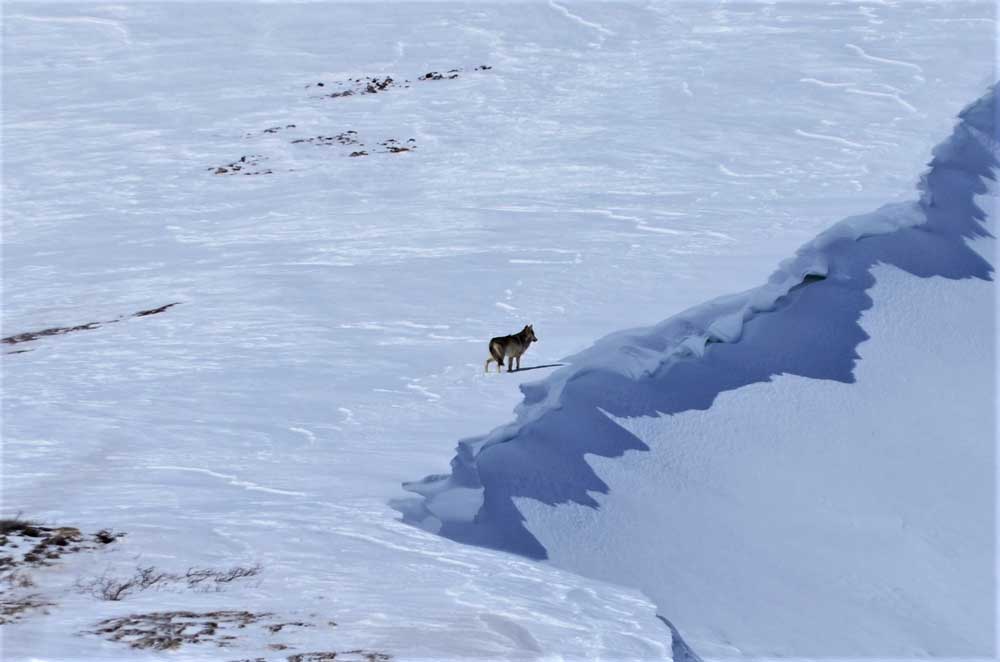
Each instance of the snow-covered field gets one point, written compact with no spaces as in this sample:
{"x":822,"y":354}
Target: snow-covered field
{"x":615,"y":164}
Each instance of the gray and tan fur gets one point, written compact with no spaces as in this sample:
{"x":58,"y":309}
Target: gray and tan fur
{"x":510,"y":347}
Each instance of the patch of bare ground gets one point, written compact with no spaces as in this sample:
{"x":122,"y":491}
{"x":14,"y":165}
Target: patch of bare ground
{"x":29,"y":336}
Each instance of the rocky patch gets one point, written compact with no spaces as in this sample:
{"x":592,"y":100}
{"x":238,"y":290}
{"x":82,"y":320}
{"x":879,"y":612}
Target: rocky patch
{"x":272,"y":129}
{"x":246,"y":165}
{"x":433,"y":75}
{"x":345,"y":138}
{"x":26,"y":546}
{"x":251,"y":164}
{"x":360,"y":86}
{"x":351,"y":139}
{"x":393,"y":146}
{"x":375,"y":85}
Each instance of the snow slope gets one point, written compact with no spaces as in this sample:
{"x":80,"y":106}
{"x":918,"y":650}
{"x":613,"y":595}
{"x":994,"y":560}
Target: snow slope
{"x":817,"y":450}
{"x":618,"y":163}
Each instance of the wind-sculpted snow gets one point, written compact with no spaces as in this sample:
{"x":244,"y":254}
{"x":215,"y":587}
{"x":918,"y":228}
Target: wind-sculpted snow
{"x":804,"y":321}
{"x":619,"y":163}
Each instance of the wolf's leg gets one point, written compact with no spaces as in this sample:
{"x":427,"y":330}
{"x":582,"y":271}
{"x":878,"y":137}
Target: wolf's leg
{"x":488,"y":361}
{"x":519,"y":363}
{"x":510,"y":364}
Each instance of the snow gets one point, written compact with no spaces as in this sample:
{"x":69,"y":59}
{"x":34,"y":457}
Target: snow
{"x":807,"y":502}
{"x":389,"y":588}
{"x":818,"y":450}
{"x":618,"y":164}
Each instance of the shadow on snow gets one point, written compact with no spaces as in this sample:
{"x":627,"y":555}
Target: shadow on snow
{"x":812,"y":329}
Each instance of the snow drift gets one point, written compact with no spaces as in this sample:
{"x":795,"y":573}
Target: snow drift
{"x":533,"y":487}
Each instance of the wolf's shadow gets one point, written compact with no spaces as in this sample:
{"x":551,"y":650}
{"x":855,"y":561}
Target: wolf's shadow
{"x":539,"y":367}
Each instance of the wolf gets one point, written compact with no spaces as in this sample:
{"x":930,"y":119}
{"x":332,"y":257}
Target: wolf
{"x":511,"y":347}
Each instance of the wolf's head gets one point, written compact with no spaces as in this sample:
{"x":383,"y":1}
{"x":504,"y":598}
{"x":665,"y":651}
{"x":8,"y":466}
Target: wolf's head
{"x":529,"y":332}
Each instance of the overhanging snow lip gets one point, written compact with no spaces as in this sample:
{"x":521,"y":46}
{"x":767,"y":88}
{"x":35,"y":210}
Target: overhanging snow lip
{"x":835,"y":265}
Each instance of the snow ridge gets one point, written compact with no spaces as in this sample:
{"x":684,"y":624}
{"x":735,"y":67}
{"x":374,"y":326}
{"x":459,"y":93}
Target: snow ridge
{"x":803,"y":321}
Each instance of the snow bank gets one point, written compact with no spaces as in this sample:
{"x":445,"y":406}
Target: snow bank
{"x":806,"y":321}
{"x":632,"y":373}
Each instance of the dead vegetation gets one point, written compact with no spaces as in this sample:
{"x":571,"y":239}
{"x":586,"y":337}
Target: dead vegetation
{"x":168,"y":630}
{"x":17,"y":579}
{"x":209,"y":579}
{"x":13,"y":608}
{"x":341,"y":656}
{"x":114,"y":588}
{"x":39,"y":545}
{"x":358,"y":655}
{"x":15,"y":524}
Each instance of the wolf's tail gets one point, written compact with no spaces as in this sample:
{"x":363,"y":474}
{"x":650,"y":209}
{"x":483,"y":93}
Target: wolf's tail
{"x":496,"y":351}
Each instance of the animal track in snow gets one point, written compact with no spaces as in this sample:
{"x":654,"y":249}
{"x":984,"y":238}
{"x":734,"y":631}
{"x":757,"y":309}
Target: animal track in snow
{"x":835,"y":139}
{"x":232,"y":480}
{"x":884,"y":60}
